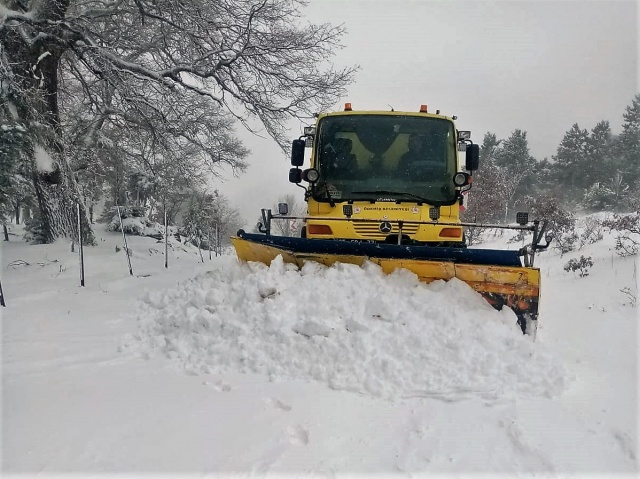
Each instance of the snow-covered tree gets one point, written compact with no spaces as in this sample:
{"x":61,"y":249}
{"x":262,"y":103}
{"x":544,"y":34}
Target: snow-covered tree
{"x":16,"y":190}
{"x":195,"y":224}
{"x":598,"y":198}
{"x":210,"y":220}
{"x":561,"y":221}
{"x":487,"y":204}
{"x":518,"y":165}
{"x":12,"y":140}
{"x":226,"y":221}
{"x":487,"y":195}
{"x":146,"y":66}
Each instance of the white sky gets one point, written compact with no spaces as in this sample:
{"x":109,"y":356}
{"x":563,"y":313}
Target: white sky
{"x":539,"y":66}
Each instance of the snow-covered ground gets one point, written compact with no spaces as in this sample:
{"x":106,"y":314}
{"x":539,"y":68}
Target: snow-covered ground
{"x":222,"y":368}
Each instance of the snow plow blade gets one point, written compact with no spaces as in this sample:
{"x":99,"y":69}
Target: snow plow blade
{"x":497,"y":275}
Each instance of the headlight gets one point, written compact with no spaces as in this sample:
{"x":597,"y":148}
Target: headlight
{"x":311,"y":175}
{"x":461,"y":179}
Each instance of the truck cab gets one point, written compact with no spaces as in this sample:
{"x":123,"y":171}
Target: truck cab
{"x":384,"y":176}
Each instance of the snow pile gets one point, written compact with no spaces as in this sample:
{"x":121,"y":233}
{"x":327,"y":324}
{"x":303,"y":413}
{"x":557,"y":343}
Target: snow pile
{"x":137,"y":226}
{"x":352,"y":328}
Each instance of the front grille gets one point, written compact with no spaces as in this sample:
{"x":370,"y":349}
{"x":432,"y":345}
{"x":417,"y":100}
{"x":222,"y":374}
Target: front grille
{"x":372,"y":230}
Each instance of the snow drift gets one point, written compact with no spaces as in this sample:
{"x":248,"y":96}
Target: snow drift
{"x":350,"y":328}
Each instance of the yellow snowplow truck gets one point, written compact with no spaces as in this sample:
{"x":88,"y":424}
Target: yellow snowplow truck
{"x":386,"y":187}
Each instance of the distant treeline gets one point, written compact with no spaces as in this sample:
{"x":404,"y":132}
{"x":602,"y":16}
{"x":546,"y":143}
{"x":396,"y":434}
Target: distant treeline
{"x":591,"y":171}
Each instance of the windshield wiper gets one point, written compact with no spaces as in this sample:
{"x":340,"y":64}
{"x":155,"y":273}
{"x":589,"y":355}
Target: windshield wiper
{"x":328,"y":194}
{"x":403,"y":194}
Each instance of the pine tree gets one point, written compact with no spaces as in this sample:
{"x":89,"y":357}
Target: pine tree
{"x":569,"y":162}
{"x":605,"y":184}
{"x":628,"y":146}
{"x":490,"y":145}
{"x":599,"y":165}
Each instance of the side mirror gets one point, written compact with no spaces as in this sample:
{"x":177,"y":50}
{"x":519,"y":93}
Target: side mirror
{"x":472,"y":157}
{"x":295,"y":175}
{"x":297,"y":153}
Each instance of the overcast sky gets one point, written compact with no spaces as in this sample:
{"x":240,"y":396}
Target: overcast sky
{"x":536,"y":65}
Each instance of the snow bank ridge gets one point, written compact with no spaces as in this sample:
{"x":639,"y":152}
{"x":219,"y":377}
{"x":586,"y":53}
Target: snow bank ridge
{"x":349,"y":327}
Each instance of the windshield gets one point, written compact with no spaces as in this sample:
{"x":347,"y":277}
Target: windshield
{"x":384,"y":158}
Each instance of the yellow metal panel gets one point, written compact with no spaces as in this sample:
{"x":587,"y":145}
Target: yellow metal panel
{"x":426,"y":271}
{"x":505,"y":280}
{"x":519,"y":281}
{"x":248,"y":251}
{"x":326,"y":215}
